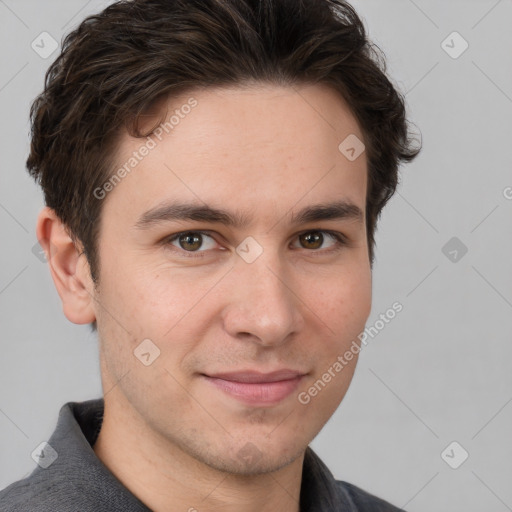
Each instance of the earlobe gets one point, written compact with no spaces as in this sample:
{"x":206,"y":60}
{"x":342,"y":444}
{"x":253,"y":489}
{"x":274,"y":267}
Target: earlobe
{"x":68,"y":267}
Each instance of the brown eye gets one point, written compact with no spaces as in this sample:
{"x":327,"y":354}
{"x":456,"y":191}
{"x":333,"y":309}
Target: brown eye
{"x":321,"y":241}
{"x":190,"y":241}
{"x":312,"y":240}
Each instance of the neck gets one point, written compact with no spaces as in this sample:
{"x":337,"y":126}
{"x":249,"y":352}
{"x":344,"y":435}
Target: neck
{"x":165,"y":477}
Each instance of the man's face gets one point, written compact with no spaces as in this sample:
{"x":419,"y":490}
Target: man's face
{"x":273,"y":294}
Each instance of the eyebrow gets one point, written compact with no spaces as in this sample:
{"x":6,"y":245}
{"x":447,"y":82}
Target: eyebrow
{"x":339,"y":210}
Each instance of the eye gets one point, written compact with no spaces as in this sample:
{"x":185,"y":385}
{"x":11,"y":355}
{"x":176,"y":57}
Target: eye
{"x":314,"y":239}
{"x":191,"y":241}
{"x":197,"y":243}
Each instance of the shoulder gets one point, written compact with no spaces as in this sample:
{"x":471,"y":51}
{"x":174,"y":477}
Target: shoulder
{"x":45,"y":491}
{"x":63,"y":483}
{"x":364,"y":501}
{"x":30,"y":494}
{"x":320,"y":487}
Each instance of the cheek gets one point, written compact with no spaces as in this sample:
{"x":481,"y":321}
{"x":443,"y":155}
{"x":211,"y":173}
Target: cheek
{"x":152,"y":300}
{"x":343,"y":303}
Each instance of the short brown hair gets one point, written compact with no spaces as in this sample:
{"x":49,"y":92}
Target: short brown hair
{"x":116,"y":64}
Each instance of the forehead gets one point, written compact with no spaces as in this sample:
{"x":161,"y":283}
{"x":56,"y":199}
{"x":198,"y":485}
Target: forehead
{"x":255,"y":146}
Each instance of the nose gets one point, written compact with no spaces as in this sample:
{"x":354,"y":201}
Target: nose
{"x":263,"y":305}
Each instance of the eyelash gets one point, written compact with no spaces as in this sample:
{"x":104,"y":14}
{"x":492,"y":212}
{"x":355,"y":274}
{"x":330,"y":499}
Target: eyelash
{"x":341,"y":242}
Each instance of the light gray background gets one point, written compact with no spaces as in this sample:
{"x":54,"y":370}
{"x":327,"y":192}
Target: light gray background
{"x":439,"y":372}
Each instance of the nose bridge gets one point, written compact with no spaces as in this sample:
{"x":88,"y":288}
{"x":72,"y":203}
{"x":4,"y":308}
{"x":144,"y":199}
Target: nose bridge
{"x":261,"y":302}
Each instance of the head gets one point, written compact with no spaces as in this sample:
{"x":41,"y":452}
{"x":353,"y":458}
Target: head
{"x":230,"y":118}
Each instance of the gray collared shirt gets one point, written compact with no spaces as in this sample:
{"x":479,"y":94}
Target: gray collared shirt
{"x":77,"y":481}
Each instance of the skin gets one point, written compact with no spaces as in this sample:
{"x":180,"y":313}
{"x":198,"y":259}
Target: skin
{"x":173,"y":439}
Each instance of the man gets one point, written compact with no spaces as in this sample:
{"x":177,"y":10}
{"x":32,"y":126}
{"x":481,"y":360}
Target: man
{"x":213,"y":173}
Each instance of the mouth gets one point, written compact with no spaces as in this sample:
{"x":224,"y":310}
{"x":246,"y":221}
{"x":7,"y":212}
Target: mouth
{"x":257,"y":388}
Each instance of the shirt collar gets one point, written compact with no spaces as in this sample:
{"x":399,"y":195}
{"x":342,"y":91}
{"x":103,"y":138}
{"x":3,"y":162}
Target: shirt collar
{"x":78,"y":427}
{"x":77,"y":469}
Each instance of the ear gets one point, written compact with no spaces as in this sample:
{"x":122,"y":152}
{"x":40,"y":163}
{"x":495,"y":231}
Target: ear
{"x":69,"y":268}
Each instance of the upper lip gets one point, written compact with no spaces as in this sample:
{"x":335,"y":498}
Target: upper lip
{"x":251,"y":376}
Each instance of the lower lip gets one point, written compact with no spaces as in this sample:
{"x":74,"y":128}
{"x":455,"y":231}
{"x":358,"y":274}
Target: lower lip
{"x":261,"y":393}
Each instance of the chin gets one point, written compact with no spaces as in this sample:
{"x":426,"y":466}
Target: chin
{"x":252,"y":463}
{"x":246,"y":458}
